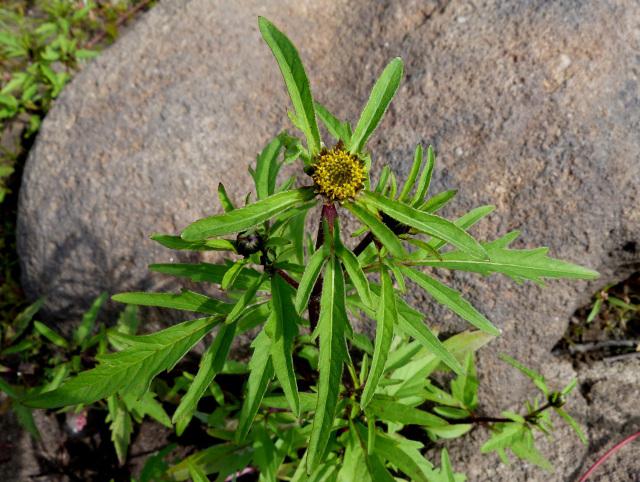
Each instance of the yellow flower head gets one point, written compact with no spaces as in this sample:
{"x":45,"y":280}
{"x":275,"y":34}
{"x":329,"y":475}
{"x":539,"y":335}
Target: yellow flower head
{"x":337,"y":174}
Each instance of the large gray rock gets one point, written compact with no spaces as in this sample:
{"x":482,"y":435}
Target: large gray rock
{"x":533,"y":106}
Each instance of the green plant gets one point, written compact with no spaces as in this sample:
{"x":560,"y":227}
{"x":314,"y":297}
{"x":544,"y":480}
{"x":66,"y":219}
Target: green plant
{"x":321,"y":401}
{"x":42,"y":44}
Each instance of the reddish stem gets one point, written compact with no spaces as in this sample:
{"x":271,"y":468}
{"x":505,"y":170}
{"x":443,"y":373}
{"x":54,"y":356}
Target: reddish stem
{"x":329,"y":213}
{"x":608,"y":454}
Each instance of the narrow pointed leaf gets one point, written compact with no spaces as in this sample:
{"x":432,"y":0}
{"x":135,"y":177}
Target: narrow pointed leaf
{"x":282,"y":329}
{"x":413,"y":174}
{"x":187,"y":301}
{"x":385,"y":319}
{"x":427,"y":223}
{"x":295,"y":79}
{"x":176,"y":242}
{"x":309,"y":278}
{"x":452,"y":300}
{"x":211,"y":364}
{"x":339,"y":130}
{"x":130,"y":370}
{"x":465,"y":222}
{"x":225,"y":200}
{"x":383,"y":91}
{"x":519,"y":264}
{"x":425,"y":178}
{"x":333,"y":352}
{"x":259,"y":377}
{"x":246,"y":217}
{"x":356,"y":275}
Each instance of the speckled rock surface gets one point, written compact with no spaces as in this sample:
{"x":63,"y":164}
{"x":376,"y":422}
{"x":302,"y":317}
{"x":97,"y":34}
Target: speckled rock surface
{"x":532,"y":105}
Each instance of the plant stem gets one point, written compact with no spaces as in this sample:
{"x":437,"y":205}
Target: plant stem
{"x":330,"y":214}
{"x":473,"y":419}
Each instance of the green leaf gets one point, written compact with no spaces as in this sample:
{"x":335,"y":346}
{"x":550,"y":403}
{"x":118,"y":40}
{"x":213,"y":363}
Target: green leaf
{"x":341,"y":131}
{"x":247,"y":298}
{"x":246,"y":217}
{"x":452,"y":300}
{"x":385,"y":319}
{"x":445,"y":466}
{"x":356,"y":274}
{"x":450,"y":431}
{"x":265,"y":165}
{"x":504,"y":437}
{"x":232,"y":274}
{"x":381,"y":94}
{"x":427,"y":223}
{"x":378,"y":228}
{"x":412,"y":323}
{"x":425,"y":178}
{"x":465,"y":387}
{"x":405,"y":455}
{"x":207,"y":272}
{"x":176,"y":242}
{"x":573,"y":424}
{"x":295,"y":79}
{"x":332,"y":326}
{"x":519,"y":264}
{"x":309,"y":277}
{"x":186,"y":301}
{"x":259,"y":377}
{"x":130,"y":370}
{"x":121,"y":427}
{"x":282,"y":329}
{"x":223,"y":459}
{"x":211,"y":364}
{"x":396,"y":412}
{"x":196,"y":473}
{"x":85,"y":327}
{"x":225,"y":200}
{"x":436,"y":202}
{"x":147,"y":405}
{"x":413,"y":174}
{"x":465,"y":222}
{"x":50,"y":334}
{"x":21,"y":322}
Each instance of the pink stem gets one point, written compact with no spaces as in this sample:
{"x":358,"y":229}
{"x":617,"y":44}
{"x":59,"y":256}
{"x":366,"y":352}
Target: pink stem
{"x":608,"y":454}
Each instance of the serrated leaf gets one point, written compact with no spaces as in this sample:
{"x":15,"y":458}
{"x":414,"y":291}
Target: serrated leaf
{"x":282,"y":329}
{"x":295,"y":79}
{"x":519,"y":264}
{"x":211,"y":364}
{"x":332,"y":326}
{"x":381,"y":94}
{"x":385,"y":319}
{"x":452,"y":300}
{"x":121,"y":427}
{"x":22,"y":321}
{"x":397,"y":412}
{"x":378,"y":228}
{"x":130,"y":370}
{"x":427,"y":223}
{"x":246,"y":217}
{"x":502,"y":439}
